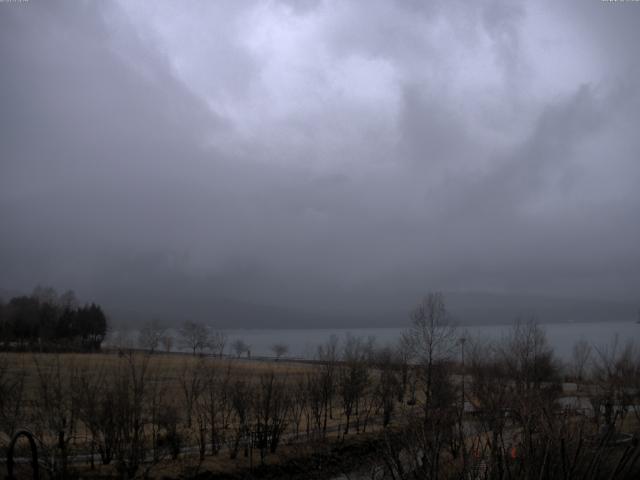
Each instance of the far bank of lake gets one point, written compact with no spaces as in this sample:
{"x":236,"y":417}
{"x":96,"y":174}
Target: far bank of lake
{"x":303,"y":343}
{"x":561,"y":336}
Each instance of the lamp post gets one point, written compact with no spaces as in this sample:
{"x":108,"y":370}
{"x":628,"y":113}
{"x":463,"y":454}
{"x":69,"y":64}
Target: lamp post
{"x":462,"y":341}
{"x":463,"y":448}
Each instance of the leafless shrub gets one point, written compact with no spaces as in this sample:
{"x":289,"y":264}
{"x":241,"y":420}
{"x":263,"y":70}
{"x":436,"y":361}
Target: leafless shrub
{"x":130,"y":383}
{"x":170,"y":438}
{"x":55,"y":408}
{"x":134,"y":415}
{"x":270,"y":412}
{"x":12,"y":383}
{"x":96,"y":403}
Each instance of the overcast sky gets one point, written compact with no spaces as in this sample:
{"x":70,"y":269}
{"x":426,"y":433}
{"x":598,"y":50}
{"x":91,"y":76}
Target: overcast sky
{"x":320,"y":153}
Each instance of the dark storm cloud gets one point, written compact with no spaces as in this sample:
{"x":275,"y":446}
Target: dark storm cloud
{"x":321,"y":155}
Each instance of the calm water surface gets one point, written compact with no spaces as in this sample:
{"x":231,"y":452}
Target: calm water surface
{"x":304,"y":342}
{"x":561,"y":336}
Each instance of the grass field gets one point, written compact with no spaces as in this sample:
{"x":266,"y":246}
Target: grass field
{"x":176,"y":396}
{"x":132,"y":414}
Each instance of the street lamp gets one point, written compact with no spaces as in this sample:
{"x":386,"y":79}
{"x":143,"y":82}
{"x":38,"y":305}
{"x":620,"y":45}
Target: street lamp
{"x":462,"y":341}
{"x":463,"y":448}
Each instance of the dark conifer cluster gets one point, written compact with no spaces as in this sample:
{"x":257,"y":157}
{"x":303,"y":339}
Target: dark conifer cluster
{"x":45,"y":320}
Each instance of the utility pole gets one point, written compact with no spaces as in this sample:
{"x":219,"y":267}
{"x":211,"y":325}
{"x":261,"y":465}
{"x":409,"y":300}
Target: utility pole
{"x":462,"y":342}
{"x":461,"y":430}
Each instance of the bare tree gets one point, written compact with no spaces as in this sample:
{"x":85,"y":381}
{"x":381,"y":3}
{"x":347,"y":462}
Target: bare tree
{"x":430,"y":343}
{"x":55,"y":408}
{"x":68,"y":300}
{"x":121,"y":340}
{"x":615,"y":372}
{"x":12,"y":394}
{"x":130,"y":390}
{"x":192,"y":384}
{"x":328,"y":356}
{"x":403,"y":355}
{"x":318,"y":391}
{"x":95,"y":398}
{"x":167,"y":342}
{"x":531,"y":368}
{"x":194,"y":336}
{"x":387,"y":387}
{"x":239,"y":347}
{"x":217,"y":343}
{"x":580,"y":355}
{"x":353,"y":378}
{"x":279,"y":350}
{"x":159,"y":410}
{"x":270,"y":410}
{"x":299,"y":405}
{"x":211,"y":404}
{"x":431,"y":339}
{"x":528,"y":356}
{"x":241,"y":395}
{"x":170,"y":438}
{"x":491,"y":392}
{"x":150,"y":335}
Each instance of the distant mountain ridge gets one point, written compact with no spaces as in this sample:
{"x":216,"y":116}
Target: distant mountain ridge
{"x":474,"y":308}
{"x":465,"y":308}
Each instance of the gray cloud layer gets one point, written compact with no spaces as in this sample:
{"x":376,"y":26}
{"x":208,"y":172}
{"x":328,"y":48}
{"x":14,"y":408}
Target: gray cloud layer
{"x":319,"y":155}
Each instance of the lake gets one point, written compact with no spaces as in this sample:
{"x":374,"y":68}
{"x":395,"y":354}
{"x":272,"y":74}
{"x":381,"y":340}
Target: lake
{"x":561,"y":336}
{"x":304,"y":342}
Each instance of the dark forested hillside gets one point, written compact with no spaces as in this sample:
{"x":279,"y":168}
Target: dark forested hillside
{"x":45,"y":320}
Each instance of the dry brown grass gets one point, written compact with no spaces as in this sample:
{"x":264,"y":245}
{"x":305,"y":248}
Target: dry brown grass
{"x":170,"y":362}
{"x":168,"y":370}
{"x":168,"y":367}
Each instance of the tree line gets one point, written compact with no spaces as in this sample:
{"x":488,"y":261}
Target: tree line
{"x":437,"y":404}
{"x":45,"y":320}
